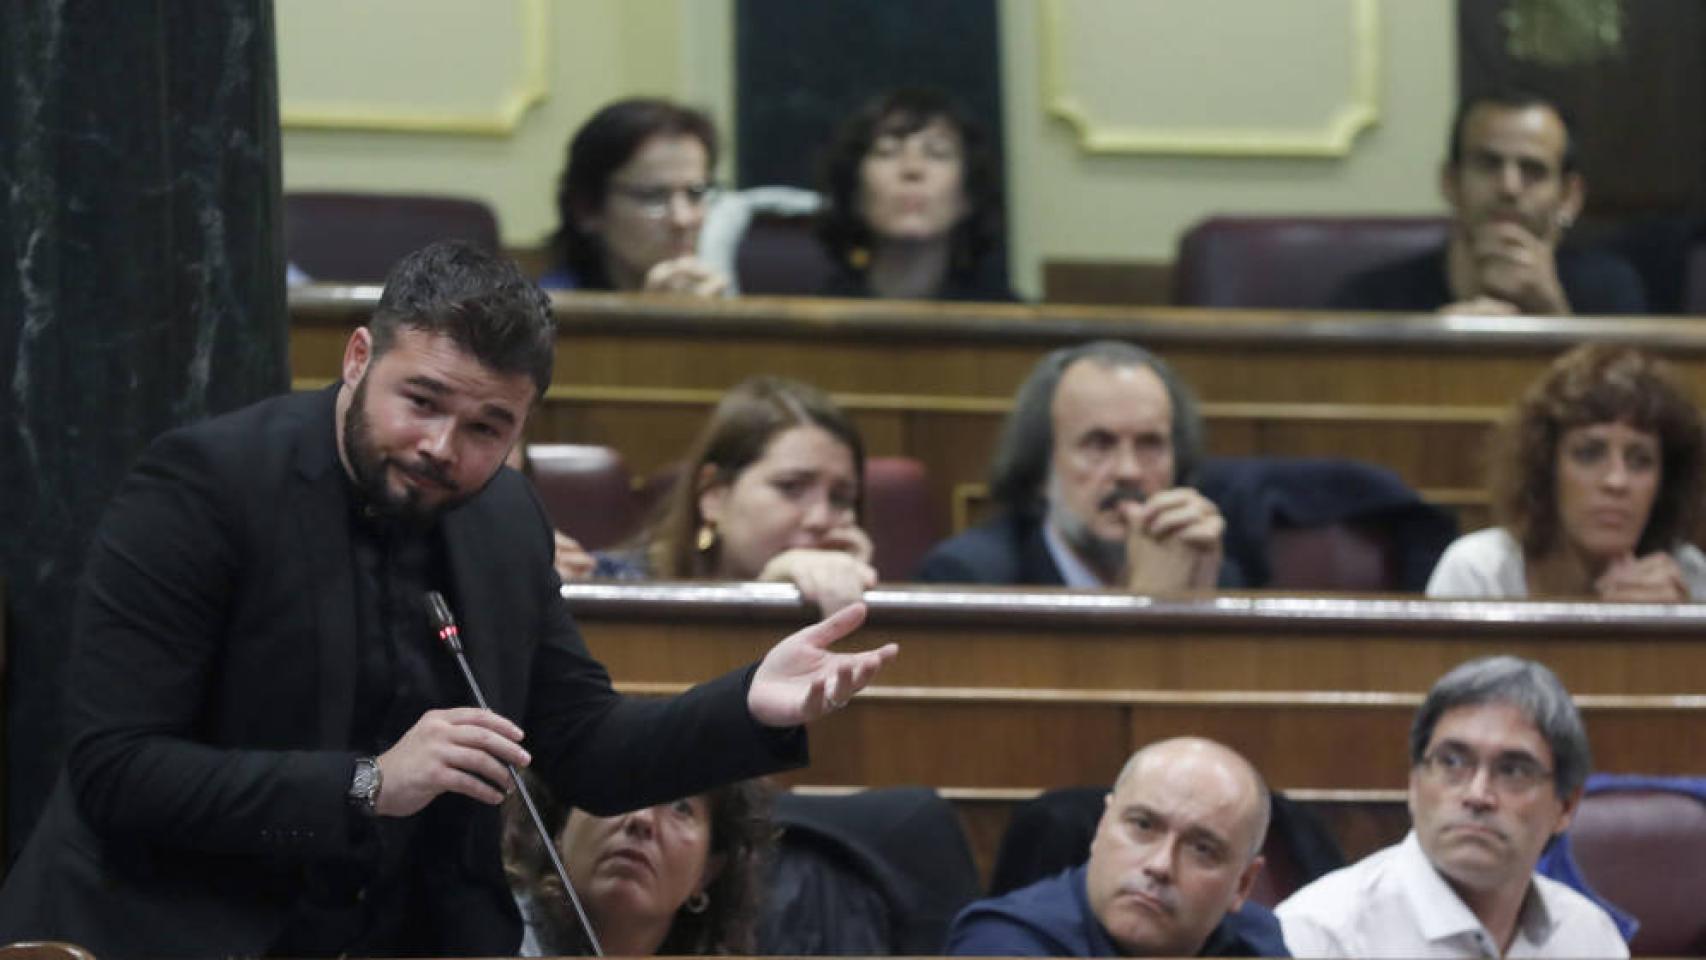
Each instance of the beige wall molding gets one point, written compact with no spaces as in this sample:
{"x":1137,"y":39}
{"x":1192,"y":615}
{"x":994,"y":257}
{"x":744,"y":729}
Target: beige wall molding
{"x":327,"y":48}
{"x":1325,"y":60}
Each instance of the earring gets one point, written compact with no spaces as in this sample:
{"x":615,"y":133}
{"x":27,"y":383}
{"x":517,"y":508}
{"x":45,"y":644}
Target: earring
{"x":698,"y":902}
{"x":858,"y":258}
{"x":707,"y":537}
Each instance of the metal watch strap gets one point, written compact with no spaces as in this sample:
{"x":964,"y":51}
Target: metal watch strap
{"x":364,"y":786}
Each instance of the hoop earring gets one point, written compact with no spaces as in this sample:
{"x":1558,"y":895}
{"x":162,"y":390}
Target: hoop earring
{"x":707,"y":537}
{"x":697,"y":903}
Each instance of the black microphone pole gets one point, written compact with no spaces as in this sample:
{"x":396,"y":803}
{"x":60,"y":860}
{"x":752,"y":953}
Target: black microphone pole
{"x":445,"y":625}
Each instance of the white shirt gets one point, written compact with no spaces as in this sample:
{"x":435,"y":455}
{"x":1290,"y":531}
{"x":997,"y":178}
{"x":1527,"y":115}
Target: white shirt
{"x":1393,"y":903}
{"x":1488,"y":564}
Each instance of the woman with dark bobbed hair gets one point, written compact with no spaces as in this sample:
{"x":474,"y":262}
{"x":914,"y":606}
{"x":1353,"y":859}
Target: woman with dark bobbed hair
{"x":913,"y":203}
{"x":631,"y":200}
{"x":772,"y":490}
{"x":1597,"y":483}
{"x":675,"y":879}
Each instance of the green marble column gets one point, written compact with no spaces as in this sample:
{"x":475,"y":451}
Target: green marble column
{"x":141,"y":287}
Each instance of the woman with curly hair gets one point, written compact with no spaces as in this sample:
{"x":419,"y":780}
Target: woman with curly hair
{"x":1597,"y":477}
{"x":914,"y":203}
{"x":677,"y":879}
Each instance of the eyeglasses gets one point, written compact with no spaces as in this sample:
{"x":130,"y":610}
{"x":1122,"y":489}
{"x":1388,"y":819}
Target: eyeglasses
{"x":1510,"y":774}
{"x":654,"y":201}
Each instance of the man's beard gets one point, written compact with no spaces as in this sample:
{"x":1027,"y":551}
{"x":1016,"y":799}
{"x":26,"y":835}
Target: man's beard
{"x":367,"y":466}
{"x":1106,"y":557}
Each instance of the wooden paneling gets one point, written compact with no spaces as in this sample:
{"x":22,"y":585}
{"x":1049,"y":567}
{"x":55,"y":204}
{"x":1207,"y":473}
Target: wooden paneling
{"x":1417,"y":394}
{"x":998,"y":695}
{"x":1014,"y":691}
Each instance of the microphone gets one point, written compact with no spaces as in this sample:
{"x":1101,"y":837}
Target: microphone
{"x":445,"y":626}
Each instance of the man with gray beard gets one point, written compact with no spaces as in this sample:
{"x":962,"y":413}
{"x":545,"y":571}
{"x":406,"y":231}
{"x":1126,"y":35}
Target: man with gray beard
{"x":1092,"y":475}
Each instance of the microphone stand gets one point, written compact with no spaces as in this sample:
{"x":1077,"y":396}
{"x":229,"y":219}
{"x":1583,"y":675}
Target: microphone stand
{"x":445,"y":624}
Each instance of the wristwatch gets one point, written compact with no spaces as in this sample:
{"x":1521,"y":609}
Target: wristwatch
{"x":364,"y":787}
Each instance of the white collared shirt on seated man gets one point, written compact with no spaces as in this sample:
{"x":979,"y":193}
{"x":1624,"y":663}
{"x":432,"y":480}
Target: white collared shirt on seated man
{"x":1484,"y":797}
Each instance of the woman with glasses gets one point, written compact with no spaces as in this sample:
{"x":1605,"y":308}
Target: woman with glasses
{"x":913,"y":203}
{"x":631,"y":200}
{"x":1597,"y":483}
{"x":772,"y":490}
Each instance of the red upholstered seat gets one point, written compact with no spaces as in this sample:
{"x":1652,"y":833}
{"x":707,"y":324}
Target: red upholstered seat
{"x":1645,"y":850}
{"x":586,"y":491}
{"x":901,"y":516}
{"x":356,"y":237}
{"x":1334,"y":556}
{"x":781,"y":255}
{"x":1290,"y":263}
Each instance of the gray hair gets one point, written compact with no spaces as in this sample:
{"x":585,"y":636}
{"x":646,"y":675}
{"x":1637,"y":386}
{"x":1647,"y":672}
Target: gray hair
{"x":1021,"y":463}
{"x":1526,"y":685}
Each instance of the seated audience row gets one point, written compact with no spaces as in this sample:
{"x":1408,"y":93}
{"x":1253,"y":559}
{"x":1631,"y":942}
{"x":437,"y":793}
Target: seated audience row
{"x":913,"y":203}
{"x":912,"y":209}
{"x":1498,"y":758}
{"x":1598,"y":477}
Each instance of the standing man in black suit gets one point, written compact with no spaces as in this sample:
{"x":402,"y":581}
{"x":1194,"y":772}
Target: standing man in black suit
{"x":1093,"y":476}
{"x":269,"y":754}
{"x":1512,"y":180}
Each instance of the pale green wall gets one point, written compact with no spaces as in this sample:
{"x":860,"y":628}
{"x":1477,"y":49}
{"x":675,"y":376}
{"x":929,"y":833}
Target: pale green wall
{"x":599,"y":50}
{"x":1069,"y":205}
{"x":1064,"y":203}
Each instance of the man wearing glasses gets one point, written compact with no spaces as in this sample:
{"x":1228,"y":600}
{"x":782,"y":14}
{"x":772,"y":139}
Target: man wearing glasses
{"x":1498,"y":757}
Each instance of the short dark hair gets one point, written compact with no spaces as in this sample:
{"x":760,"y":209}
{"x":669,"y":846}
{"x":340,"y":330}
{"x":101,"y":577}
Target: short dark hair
{"x":600,"y":147}
{"x":742,"y":833}
{"x":1591,"y":384}
{"x":903,"y":112}
{"x":746,"y":419}
{"x":479,"y":300}
{"x":1526,"y":685}
{"x":1511,"y":99}
{"x":1026,"y":448}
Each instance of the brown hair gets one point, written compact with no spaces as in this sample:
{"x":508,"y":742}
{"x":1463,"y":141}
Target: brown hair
{"x":1592,"y":384}
{"x":742,"y":833}
{"x":747,"y":418}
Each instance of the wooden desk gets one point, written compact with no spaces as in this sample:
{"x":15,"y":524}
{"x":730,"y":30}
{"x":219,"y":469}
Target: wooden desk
{"x":998,"y":695}
{"x":1004,"y":692}
{"x":933,"y":381}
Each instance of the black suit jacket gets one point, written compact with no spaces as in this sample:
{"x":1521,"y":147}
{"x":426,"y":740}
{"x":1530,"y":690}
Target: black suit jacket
{"x":213,"y":685}
{"x":1010,"y":551}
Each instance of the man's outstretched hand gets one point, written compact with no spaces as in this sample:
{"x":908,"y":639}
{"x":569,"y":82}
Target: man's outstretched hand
{"x":801,"y":679}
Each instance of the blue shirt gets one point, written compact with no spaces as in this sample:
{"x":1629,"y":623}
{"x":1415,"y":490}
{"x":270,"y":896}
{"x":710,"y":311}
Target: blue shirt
{"x":1052,"y":918}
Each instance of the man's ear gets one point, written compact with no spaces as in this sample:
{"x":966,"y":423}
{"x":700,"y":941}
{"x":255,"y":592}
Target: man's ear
{"x":1448,"y":184}
{"x":1247,"y":881}
{"x":1565,"y":816}
{"x":358,"y":355}
{"x":1575,"y":195}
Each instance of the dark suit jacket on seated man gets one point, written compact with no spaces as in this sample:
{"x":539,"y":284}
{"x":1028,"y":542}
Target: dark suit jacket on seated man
{"x":269,"y":753}
{"x":1173,"y":859}
{"x":1513,"y":186}
{"x":1089,"y":474}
